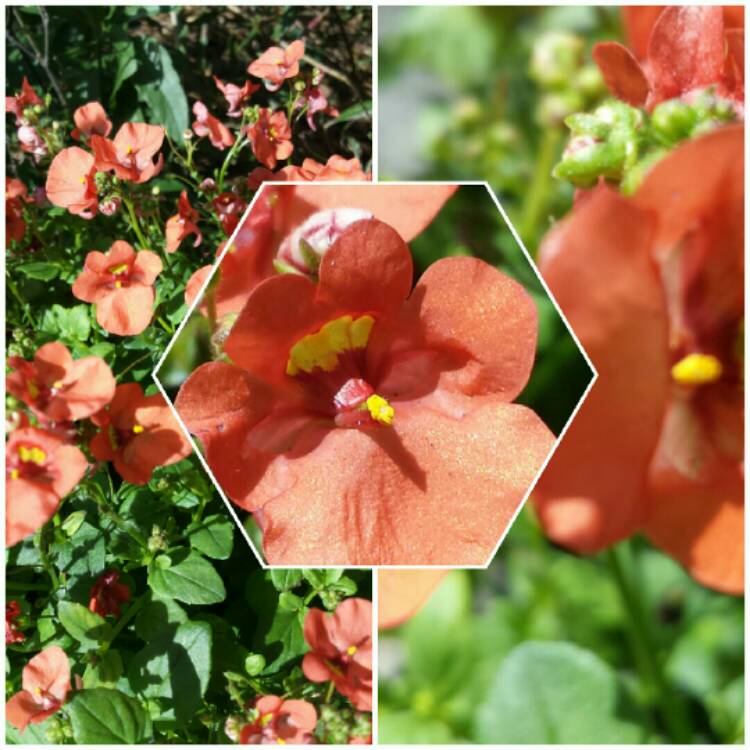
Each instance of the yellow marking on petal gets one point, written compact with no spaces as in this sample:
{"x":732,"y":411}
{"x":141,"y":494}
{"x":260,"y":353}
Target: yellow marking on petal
{"x":266,"y":719}
{"x":130,"y":150}
{"x":57,"y":385}
{"x":32,"y":455}
{"x":32,"y":388}
{"x":14,"y":474}
{"x":697,"y":369}
{"x":118,"y":270}
{"x":82,"y":180}
{"x":118,"y":284}
{"x":351,"y":650}
{"x":321,"y":350}
{"x":138,"y":429}
{"x":380,"y":410}
{"x":279,"y":741}
{"x":38,"y":690}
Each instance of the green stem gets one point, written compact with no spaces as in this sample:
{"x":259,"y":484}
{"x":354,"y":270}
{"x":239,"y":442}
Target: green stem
{"x":133,"y":364}
{"x":17,"y":586}
{"x":329,"y":692}
{"x":238,"y":144}
{"x":100,"y":499}
{"x":537,"y":196}
{"x":134,"y":224}
{"x":671,"y":707}
{"x":124,"y":620}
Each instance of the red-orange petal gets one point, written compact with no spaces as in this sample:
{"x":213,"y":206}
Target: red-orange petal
{"x":28,"y":506}
{"x":50,"y":671}
{"x":599,"y":267}
{"x":402,"y":593}
{"x":428,"y":490}
{"x":71,"y":465}
{"x":622,"y":73}
{"x":88,"y":387}
{"x":126,"y":311}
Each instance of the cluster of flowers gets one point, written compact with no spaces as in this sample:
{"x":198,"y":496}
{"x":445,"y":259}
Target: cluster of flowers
{"x":135,"y":432}
{"x":340,"y":654}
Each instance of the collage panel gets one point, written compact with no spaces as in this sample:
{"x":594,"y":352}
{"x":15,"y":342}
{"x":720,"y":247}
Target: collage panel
{"x":613,"y":611}
{"x":136,"y":612}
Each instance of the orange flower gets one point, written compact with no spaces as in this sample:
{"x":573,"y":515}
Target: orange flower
{"x":17,"y":104}
{"x":130,"y":155}
{"x":58,"y":388}
{"x":46,"y":684}
{"x":236,"y":95}
{"x":271,"y":138}
{"x":402,"y":593}
{"x":206,"y":124}
{"x":341,"y":650}
{"x":70,"y":182}
{"x":400,"y":403}
{"x":336,"y":168}
{"x":16,"y":194}
{"x":653,"y":288}
{"x":40,"y":469}
{"x":280,"y":722}
{"x":31,"y":142}
{"x":107,"y":594}
{"x":121,"y":284}
{"x":277,"y":64}
{"x":91,"y":119}
{"x":688,"y":48}
{"x":138,"y":433}
{"x":229,"y":207}
{"x":182,"y":225}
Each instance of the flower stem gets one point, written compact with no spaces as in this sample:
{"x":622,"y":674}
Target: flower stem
{"x":329,"y":692}
{"x":537,"y":195}
{"x":671,"y":707}
{"x":134,"y":224}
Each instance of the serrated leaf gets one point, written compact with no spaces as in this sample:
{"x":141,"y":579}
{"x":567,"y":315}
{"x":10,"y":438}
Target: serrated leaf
{"x":192,"y":580}
{"x":214,"y":538}
{"x":107,"y":717}
{"x":176,"y":669}
{"x":549,"y":693}
{"x":88,"y":628}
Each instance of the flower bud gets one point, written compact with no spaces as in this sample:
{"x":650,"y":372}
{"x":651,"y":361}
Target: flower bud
{"x":110,"y":205}
{"x":155,"y":190}
{"x":187,"y":135}
{"x":305,"y":247}
{"x":299,"y":85}
{"x":555,"y":58}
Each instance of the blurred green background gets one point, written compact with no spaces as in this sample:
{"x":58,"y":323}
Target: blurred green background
{"x":544,"y":646}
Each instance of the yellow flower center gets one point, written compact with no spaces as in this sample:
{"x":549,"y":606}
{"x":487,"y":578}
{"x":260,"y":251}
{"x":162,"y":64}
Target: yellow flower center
{"x":138,"y":429}
{"x":118,"y":270}
{"x":32,"y":455}
{"x":82,"y":180}
{"x":697,"y":369}
{"x":321,"y":350}
{"x":273,"y":132}
{"x":266,"y":719}
{"x":57,"y":385}
{"x":351,"y":650}
{"x":32,"y":388}
{"x":381,"y":411}
{"x":14,"y":474}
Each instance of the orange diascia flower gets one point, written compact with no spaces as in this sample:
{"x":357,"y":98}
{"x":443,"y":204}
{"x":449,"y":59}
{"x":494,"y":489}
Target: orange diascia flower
{"x":16,"y":194}
{"x":121,"y":284}
{"x":91,"y":119}
{"x":182,"y":225}
{"x":336,"y":168}
{"x":40,"y":469}
{"x":402,"y":593}
{"x":107,"y":594}
{"x":31,"y":142}
{"x":271,"y":138}
{"x":277,"y":64}
{"x":236,"y":95}
{"x":402,"y":404}
{"x":206,"y":124}
{"x":229,"y":207}
{"x":131,"y":154}
{"x":653,"y":288}
{"x":341,"y":650}
{"x":688,"y":48}
{"x":138,"y":433}
{"x":16,"y":105}
{"x":280,"y":722}
{"x":58,"y":388}
{"x":70,"y":182}
{"x":46,"y":684}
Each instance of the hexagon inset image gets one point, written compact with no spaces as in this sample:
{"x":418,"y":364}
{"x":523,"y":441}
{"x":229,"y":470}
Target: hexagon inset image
{"x":365,"y":401}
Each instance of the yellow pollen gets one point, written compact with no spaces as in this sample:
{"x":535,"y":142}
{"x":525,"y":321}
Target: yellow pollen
{"x":266,"y":719}
{"x":38,"y":690}
{"x":351,"y":650}
{"x":14,"y":474}
{"x":138,"y":429}
{"x":32,"y":455}
{"x":130,"y":150}
{"x":118,"y":270}
{"x":82,"y":180}
{"x":279,"y":741}
{"x":57,"y":385}
{"x":118,"y":284}
{"x":380,"y":410}
{"x":697,"y":369}
{"x":32,"y":388}
{"x":321,"y":350}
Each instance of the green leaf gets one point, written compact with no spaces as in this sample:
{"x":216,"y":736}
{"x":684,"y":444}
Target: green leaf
{"x":285,"y":580}
{"x":127,"y":66}
{"x":408,"y":728}
{"x":159,"y":88}
{"x":69,"y":324}
{"x":107,"y":717}
{"x":214,"y":538}
{"x":193,"y":580}
{"x":358,"y":111}
{"x":88,"y":628}
{"x":550,"y":693}
{"x":175,"y":668}
{"x":319,"y":579}
{"x":104,"y":672}
{"x":158,"y":617}
{"x":40,"y":271}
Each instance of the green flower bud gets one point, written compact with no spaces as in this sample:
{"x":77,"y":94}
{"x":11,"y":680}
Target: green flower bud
{"x":254,"y":664}
{"x":555,"y":58}
{"x":673,"y":121}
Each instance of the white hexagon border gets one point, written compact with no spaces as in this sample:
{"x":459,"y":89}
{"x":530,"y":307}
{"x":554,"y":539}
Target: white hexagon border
{"x":230,"y":507}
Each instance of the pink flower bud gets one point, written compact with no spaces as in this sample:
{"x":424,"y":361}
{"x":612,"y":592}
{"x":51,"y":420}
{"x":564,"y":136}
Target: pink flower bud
{"x":109,"y":206}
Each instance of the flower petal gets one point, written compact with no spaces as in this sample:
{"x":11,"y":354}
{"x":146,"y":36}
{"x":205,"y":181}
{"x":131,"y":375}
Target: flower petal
{"x":126,"y":311}
{"x":28,"y":506}
{"x":598,"y":266}
{"x":401,"y":593}
{"x":622,"y":73}
{"x":50,"y":671}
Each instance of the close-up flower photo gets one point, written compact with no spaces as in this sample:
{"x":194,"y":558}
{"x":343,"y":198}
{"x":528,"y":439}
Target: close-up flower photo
{"x":367,"y":401}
